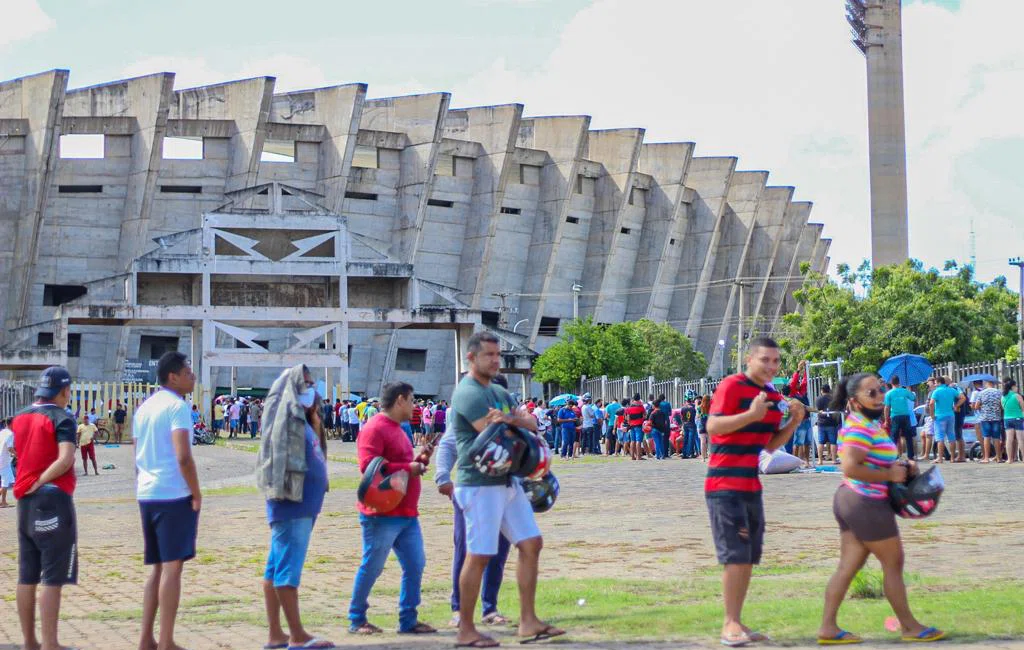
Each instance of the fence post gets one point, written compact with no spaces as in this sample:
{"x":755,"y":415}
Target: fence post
{"x":604,"y":388}
{"x":951,"y":370}
{"x":583,"y":384}
{"x":650,"y":385}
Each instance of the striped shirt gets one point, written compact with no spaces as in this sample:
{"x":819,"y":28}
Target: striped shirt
{"x":732,"y":462}
{"x":860,"y":432}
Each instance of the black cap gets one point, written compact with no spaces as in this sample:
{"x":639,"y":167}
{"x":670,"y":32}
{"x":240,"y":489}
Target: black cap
{"x":53,"y":380}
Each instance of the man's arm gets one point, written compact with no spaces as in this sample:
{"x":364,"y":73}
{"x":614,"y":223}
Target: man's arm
{"x":65,"y":461}
{"x":182,"y":439}
{"x":719,"y":424}
{"x":931,"y":408}
{"x":797,"y":413}
{"x":446,"y":455}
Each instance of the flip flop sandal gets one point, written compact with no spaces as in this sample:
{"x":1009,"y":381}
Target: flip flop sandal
{"x":275,"y":646}
{"x":738,"y":641}
{"x":419,"y":628}
{"x":482,"y":642}
{"x":314,"y":643}
{"x":927,"y":635}
{"x":548,"y":632}
{"x":843,"y":638}
{"x":494,"y":618}
{"x":365,"y":629}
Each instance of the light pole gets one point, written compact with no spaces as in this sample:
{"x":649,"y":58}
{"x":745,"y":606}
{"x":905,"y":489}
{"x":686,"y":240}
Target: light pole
{"x":576,"y":288}
{"x":1019,"y":263}
{"x":721,"y":358}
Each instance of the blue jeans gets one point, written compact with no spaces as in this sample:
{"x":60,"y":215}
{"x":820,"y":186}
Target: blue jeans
{"x":691,"y":444}
{"x":587,"y":441}
{"x":659,"y":443}
{"x":253,"y":428}
{"x":289,"y":541}
{"x":944,"y":429}
{"x":568,"y":440}
{"x":493,"y":573}
{"x":380,"y":536}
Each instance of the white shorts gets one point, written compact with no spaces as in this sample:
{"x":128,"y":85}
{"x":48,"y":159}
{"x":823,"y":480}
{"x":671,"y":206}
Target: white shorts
{"x":491,"y":510}
{"x":7,"y":477}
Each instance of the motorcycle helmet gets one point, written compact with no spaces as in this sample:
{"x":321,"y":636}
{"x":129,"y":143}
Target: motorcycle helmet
{"x":535,"y":460}
{"x":919,"y":496}
{"x":542,"y":493}
{"x":382,"y":492}
{"x":647,"y":426}
{"x":496,"y":450}
{"x":690,"y":394}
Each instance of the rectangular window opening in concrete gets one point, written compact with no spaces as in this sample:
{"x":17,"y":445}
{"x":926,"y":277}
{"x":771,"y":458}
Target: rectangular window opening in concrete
{"x":278,"y":151}
{"x":585,"y":185}
{"x":572,"y":219}
{"x":44,"y":340}
{"x":638,"y":197}
{"x":154,"y":347}
{"x":183,"y":148}
{"x":79,"y":189}
{"x":82,"y":145}
{"x":55,"y":295}
{"x":625,"y":231}
{"x":489,"y":318}
{"x":365,"y":196}
{"x":548,"y":326}
{"x":181,"y":189}
{"x":74,"y":345}
{"x":672,"y":242}
{"x":507,"y":210}
{"x":411,"y":360}
{"x":529,"y":174}
{"x":439,"y":203}
{"x":365,"y":157}
{"x":265,"y":344}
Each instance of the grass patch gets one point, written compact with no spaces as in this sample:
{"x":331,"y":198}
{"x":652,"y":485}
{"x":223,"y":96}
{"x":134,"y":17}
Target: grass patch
{"x":786,"y":606}
{"x":230,"y":491}
{"x":867,"y":584}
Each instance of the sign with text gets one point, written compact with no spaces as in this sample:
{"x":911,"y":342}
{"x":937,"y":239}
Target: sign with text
{"x":139,"y":371}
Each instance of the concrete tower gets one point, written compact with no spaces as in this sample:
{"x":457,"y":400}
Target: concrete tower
{"x":878,"y":32}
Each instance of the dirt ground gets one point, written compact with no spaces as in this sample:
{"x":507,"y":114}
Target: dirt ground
{"x":655,"y":508}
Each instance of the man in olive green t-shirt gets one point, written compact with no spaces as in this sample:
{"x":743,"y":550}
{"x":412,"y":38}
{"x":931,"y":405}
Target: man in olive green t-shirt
{"x":492,"y":505}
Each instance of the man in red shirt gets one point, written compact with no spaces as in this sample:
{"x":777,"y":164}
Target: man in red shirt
{"x":635,"y":415}
{"x":45,"y":437}
{"x":416,"y":422}
{"x":398,"y":529}
{"x":744,"y":419}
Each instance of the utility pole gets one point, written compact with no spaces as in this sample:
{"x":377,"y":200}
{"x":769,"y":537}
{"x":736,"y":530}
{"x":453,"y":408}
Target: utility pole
{"x":1019,"y":263}
{"x":504,"y":310}
{"x":576,"y":288}
{"x":739,"y":336}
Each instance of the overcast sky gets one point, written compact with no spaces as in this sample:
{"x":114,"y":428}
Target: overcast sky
{"x":776,"y":83}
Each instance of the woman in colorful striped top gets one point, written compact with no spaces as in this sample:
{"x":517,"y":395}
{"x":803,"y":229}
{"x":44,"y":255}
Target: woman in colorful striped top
{"x":867,"y":523}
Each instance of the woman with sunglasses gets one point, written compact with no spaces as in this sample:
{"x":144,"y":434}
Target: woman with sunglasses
{"x":867,"y":523}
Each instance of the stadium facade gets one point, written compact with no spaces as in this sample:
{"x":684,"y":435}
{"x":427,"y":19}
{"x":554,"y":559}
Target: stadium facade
{"x":324,"y":209}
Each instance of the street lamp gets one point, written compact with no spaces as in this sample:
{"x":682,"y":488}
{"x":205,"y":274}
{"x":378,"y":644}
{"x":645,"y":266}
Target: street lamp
{"x":576,"y":288}
{"x":721,"y":358}
{"x":1019,"y":263}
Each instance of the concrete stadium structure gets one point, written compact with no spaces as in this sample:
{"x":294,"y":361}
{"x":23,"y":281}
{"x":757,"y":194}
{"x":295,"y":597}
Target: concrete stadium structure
{"x":446,"y":218}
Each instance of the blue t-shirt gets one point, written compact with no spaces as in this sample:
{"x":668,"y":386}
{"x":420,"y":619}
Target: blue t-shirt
{"x":896,"y":400}
{"x":566,"y":413}
{"x":944,"y":397}
{"x":195,"y":418}
{"x":408,"y":430}
{"x":665,"y":408}
{"x":314,"y":486}
{"x":613,"y":411}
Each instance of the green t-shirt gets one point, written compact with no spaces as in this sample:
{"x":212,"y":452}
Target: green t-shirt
{"x":896,"y":400}
{"x":470,"y":402}
{"x":1011,"y":407}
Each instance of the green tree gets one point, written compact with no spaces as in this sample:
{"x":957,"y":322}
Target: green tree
{"x":586,"y":348}
{"x":901,"y":308}
{"x":672,"y":353}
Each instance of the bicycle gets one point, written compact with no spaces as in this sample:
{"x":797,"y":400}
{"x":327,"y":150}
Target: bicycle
{"x":102,"y":433}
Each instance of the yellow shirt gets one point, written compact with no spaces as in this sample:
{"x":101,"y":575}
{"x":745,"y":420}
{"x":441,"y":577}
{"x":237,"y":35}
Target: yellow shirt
{"x":360,"y":407}
{"x":85,"y":434}
{"x":218,"y":412}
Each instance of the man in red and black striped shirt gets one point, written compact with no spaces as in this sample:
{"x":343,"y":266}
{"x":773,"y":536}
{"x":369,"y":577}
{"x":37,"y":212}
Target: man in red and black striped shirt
{"x":744,"y":419}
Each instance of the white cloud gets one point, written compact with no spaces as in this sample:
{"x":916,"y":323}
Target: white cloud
{"x":780,"y":85}
{"x":23,"y":19}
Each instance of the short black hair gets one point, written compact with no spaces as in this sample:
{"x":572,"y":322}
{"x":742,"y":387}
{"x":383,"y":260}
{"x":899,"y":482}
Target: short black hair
{"x":894,"y":380}
{"x":392,"y":391}
{"x":171,"y":363}
{"x":476,"y":342}
{"x":501,"y":380}
{"x":636,"y":397}
{"x":941,"y":380}
{"x":761,"y":342}
{"x":825,"y":388}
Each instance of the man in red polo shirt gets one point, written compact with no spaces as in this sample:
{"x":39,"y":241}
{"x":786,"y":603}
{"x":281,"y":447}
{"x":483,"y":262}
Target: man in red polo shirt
{"x":744,"y":419}
{"x":45,"y":438}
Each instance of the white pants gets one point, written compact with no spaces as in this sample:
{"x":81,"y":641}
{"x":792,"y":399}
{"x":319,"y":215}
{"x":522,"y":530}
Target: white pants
{"x":493,"y":510}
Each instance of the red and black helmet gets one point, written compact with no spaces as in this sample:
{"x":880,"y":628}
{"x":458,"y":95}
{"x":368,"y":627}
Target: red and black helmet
{"x":542,"y":493}
{"x":919,"y":496}
{"x":382,"y":492}
{"x":535,"y":460}
{"x":497,"y":450}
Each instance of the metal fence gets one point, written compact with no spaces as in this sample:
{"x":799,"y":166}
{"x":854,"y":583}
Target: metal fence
{"x":14,"y":396}
{"x":675,"y":389}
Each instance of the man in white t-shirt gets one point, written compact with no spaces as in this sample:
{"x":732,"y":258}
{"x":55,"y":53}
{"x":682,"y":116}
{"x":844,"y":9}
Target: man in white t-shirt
{"x":168,"y":493}
{"x":6,"y":471}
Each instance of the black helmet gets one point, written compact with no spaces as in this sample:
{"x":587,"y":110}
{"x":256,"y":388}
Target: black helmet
{"x":542,"y":493}
{"x":496,"y":450}
{"x":919,"y":496}
{"x":535,"y":459}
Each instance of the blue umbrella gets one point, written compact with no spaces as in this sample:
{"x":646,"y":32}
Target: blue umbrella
{"x":561,"y":400}
{"x":910,"y":368}
{"x":981,"y":376}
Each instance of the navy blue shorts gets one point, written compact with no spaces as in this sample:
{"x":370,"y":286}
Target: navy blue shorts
{"x":169,"y":530}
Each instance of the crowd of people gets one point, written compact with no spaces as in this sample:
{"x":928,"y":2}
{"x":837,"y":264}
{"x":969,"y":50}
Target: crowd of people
{"x":863,"y":425}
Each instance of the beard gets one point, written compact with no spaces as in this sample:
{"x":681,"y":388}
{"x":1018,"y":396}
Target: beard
{"x":874,"y":414}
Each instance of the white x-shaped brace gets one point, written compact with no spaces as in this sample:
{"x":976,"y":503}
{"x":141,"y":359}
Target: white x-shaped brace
{"x":246,"y":244}
{"x":302,"y":337}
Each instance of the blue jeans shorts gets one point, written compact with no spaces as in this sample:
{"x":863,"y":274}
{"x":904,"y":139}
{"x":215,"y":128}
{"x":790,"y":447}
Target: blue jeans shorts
{"x":1016,"y":424}
{"x":945,"y":429}
{"x":993,"y":430}
{"x":289,"y":541}
{"x":803,"y":435}
{"x":637,"y":434}
{"x":828,"y":434}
